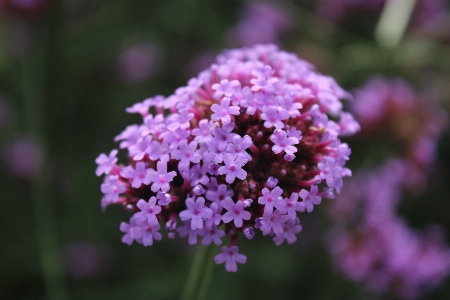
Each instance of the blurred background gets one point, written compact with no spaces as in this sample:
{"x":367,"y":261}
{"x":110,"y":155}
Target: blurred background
{"x":70,"y":68}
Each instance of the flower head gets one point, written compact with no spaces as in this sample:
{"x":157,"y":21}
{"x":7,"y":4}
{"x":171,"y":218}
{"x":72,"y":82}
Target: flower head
{"x":241,"y":141}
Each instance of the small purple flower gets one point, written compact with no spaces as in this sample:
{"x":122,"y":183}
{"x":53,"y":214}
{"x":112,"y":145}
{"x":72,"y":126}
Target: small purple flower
{"x":112,"y":188}
{"x":186,"y":230}
{"x":233,"y":168}
{"x":132,"y":231}
{"x":158,"y":151}
{"x":129,"y":136}
{"x":139,"y":176}
{"x":161,"y":178}
{"x":197,"y":212}
{"x":283,"y":143}
{"x":141,"y":108}
{"x":221,"y":193}
{"x":274,"y":117}
{"x":197,"y":175}
{"x":239,"y":145}
{"x":224,"y":111}
{"x":211,"y":235}
{"x":230,"y":257}
{"x":216,"y":216}
{"x":309,"y":199}
{"x":138,"y":150}
{"x":151,"y":124}
{"x":290,"y":230}
{"x":150,"y":233}
{"x":149,"y":211}
{"x":294,"y":133}
{"x":292,"y":108}
{"x":330,"y":171}
{"x":293,"y":206}
{"x":105,"y":163}
{"x":186,"y":154}
{"x":235,"y":212}
{"x":273,"y":222}
{"x":203,"y":132}
{"x":248,"y":101}
{"x":226,"y":88}
{"x":271,"y":199}
{"x":163,"y":198}
{"x":348,"y":125}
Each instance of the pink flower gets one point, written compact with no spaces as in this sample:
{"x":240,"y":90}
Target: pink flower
{"x":230,"y":257}
{"x":112,"y":188}
{"x":196,"y":212}
{"x":235,"y":212}
{"x":149,"y":211}
{"x":271,"y":199}
{"x":283,"y":143}
{"x":309,"y":199}
{"x":139,"y":175}
{"x":224,"y":111}
{"x":105,"y":163}
{"x":233,"y":167}
{"x":161,"y":178}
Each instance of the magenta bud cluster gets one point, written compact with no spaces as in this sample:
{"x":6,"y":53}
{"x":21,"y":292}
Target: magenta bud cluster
{"x":243,"y":148}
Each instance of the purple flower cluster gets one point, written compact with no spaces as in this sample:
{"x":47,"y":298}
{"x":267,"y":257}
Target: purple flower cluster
{"x":391,"y":107}
{"x":371,"y":244}
{"x":244,"y":146}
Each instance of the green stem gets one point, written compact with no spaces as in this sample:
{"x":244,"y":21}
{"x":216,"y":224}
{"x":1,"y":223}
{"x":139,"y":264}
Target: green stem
{"x":393,"y":22}
{"x":193,"y":282}
{"x":207,"y":274}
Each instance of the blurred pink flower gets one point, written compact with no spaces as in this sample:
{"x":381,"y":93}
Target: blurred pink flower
{"x":24,"y":157}
{"x":139,"y":62}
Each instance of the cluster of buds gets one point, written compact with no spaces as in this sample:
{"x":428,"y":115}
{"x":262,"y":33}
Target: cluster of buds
{"x":245,"y":146}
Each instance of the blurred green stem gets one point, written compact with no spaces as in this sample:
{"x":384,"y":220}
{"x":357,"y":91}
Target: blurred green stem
{"x":33,"y":84}
{"x":393,"y":22}
{"x":197,"y":284}
{"x":207,"y":274}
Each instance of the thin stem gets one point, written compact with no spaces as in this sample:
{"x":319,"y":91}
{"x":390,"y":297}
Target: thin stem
{"x":393,"y":22}
{"x":207,"y":274}
{"x":193,"y":282}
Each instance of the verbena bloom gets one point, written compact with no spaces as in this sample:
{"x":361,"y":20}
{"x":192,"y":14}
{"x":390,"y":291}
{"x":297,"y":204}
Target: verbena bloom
{"x":230,"y":257}
{"x":229,"y":153}
{"x":392,"y":108}
{"x":371,"y":244}
{"x":105,"y":163}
